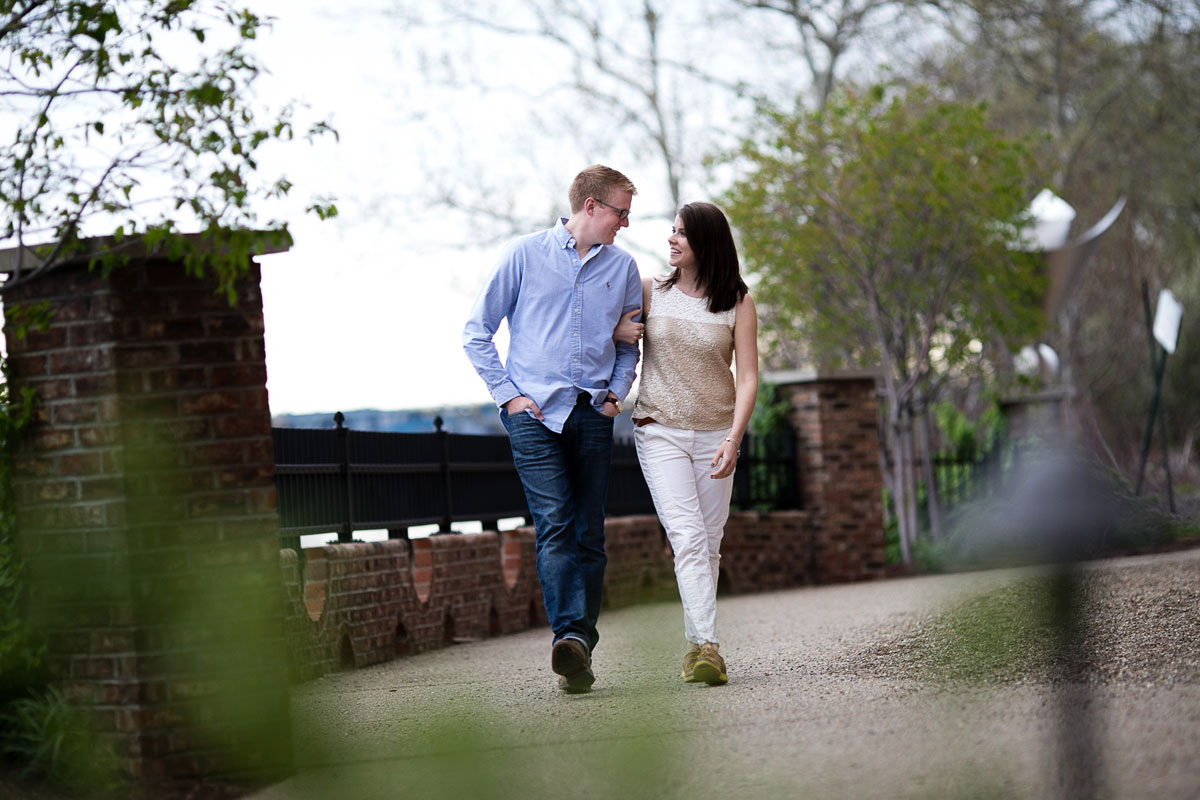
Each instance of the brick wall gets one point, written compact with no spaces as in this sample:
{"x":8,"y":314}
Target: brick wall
{"x":835,"y":416}
{"x":379,"y":600}
{"x":766,"y":551}
{"x":456,"y":587}
{"x":372,"y":608}
{"x":639,"y":561}
{"x":146,"y":515}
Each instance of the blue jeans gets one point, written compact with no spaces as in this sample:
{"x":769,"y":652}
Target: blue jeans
{"x":565,"y":476}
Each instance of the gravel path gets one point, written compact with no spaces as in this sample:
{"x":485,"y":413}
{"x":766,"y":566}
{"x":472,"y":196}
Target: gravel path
{"x":943,"y":686}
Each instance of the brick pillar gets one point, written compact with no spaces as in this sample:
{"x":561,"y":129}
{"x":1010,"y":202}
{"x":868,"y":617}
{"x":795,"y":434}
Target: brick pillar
{"x":835,"y":416}
{"x":146,"y":515}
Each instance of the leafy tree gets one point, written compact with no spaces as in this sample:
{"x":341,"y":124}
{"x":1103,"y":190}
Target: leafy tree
{"x":134,"y":118}
{"x":881,"y":231}
{"x":1111,"y":89}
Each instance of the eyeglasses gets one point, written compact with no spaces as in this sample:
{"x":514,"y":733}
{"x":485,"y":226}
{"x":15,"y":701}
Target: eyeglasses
{"x":622,"y":213}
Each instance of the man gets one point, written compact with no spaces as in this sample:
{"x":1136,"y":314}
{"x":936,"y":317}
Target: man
{"x":563,"y":291}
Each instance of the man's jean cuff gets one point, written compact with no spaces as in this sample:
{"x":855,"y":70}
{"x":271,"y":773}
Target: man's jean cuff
{"x":574,"y":636}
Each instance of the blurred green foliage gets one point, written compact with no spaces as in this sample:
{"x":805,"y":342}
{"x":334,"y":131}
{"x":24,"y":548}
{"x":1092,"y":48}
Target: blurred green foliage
{"x":56,"y":740}
{"x":41,"y":730}
{"x":21,"y":668}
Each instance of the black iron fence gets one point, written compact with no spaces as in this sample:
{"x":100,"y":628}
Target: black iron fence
{"x":767,"y":477}
{"x":963,"y":478}
{"x":341,"y":480}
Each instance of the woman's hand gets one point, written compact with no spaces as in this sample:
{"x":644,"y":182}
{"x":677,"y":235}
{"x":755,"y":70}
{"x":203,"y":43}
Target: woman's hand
{"x":628,"y":331}
{"x":724,"y":460}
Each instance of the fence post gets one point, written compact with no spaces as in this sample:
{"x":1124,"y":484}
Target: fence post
{"x":346,"y":531}
{"x":835,"y":417}
{"x":444,"y":438}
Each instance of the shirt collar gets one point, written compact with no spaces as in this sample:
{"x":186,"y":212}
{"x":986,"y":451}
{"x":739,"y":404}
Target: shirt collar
{"x":562,"y":235}
{"x":566,"y":240}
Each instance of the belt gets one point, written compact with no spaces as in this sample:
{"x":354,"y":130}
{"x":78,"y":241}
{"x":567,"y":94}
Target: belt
{"x":644,"y":421}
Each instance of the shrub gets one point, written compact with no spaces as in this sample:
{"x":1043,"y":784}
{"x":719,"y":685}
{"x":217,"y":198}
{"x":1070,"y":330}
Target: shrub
{"x":56,"y":740}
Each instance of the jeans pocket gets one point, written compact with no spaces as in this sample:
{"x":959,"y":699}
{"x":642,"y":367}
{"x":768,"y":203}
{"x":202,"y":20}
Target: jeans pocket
{"x":596,"y":410}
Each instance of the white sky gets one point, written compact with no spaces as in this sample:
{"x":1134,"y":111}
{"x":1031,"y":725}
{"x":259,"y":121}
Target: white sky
{"x":366,"y":310}
{"x":358,"y":313}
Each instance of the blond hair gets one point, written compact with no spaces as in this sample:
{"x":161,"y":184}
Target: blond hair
{"x":597,"y":181}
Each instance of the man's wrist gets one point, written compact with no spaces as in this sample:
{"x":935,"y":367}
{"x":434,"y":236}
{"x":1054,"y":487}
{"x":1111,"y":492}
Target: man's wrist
{"x":616,"y":401}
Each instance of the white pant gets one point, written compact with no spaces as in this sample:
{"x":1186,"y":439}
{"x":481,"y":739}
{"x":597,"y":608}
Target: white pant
{"x":693,"y":508}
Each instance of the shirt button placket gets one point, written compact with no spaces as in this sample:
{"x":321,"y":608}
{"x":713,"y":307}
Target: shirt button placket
{"x":576,"y":333}
{"x":576,"y":325}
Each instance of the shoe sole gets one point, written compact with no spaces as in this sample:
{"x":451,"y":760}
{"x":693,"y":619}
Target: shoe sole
{"x":707,"y":672}
{"x":688,"y":678}
{"x":573,"y":666}
{"x":578,"y":683}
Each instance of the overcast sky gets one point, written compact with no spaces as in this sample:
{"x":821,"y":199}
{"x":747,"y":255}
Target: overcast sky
{"x":358,"y":313}
{"x":366,"y":311}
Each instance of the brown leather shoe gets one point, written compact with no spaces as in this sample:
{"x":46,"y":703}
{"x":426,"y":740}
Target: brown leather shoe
{"x":570,"y":659}
{"x":710,"y":667}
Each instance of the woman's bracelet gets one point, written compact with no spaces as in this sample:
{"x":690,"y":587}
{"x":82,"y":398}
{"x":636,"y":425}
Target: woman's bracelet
{"x":737,"y":445}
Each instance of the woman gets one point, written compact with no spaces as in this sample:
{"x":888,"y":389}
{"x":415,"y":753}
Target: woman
{"x":691,"y":414}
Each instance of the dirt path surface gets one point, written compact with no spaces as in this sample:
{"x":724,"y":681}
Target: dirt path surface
{"x":835,"y":692}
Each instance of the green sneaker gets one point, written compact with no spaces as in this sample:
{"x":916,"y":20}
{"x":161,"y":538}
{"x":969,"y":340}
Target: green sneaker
{"x":710,"y":667}
{"x":689,"y":663}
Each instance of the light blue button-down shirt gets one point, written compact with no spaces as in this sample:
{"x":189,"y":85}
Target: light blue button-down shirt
{"x":561,"y":312}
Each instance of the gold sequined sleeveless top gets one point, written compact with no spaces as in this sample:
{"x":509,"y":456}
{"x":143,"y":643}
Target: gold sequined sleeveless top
{"x":687,"y":354}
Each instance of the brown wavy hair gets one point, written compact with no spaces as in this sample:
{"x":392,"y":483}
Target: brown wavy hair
{"x":717,"y":268}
